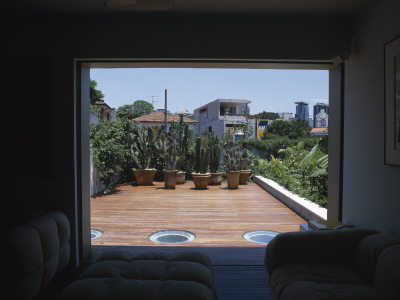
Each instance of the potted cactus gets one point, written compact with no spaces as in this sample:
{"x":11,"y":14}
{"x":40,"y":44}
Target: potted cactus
{"x":141,"y":153}
{"x":184,"y":139}
{"x":215,"y":157}
{"x":232,"y":157}
{"x":244,"y":166}
{"x":169,"y":147}
{"x":201,"y":178}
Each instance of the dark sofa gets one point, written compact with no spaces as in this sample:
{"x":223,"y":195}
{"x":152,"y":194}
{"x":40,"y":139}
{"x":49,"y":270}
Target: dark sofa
{"x":335,"y":264}
{"x":35,"y":253}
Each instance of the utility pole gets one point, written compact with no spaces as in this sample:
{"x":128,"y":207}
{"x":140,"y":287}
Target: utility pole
{"x":165,"y":111}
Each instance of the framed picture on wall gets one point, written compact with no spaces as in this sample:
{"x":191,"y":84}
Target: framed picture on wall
{"x":392,"y":102}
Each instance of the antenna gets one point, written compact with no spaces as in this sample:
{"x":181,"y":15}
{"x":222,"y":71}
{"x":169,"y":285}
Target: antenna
{"x":152,"y":99}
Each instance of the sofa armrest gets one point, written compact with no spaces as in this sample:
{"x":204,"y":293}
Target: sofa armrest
{"x":314,"y":247}
{"x":34,"y":253}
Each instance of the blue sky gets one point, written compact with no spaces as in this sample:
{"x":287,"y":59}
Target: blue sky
{"x":269,"y":90}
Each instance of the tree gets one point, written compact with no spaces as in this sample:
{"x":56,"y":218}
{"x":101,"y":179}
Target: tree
{"x":295,"y":129}
{"x":299,"y":128}
{"x":137,"y":109}
{"x":141,"y":108}
{"x":125,"y":112}
{"x":268,"y":115}
{"x":95,"y":94}
{"x":278,"y":127}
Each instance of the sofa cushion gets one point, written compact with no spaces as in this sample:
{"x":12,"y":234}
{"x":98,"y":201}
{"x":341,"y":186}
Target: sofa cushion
{"x":288,"y":274}
{"x":314,"y":247}
{"x":306,"y":290}
{"x":34,"y":253}
{"x":153,"y":275}
{"x":368,"y":251}
{"x":22,"y":272}
{"x":387,"y":273}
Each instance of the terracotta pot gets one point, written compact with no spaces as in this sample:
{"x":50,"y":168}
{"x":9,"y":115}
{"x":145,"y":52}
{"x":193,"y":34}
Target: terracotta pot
{"x":144,"y":177}
{"x":180,"y":177}
{"x":244,"y":176}
{"x":232,"y":178}
{"x":201,"y":180}
{"x":170,"y":179}
{"x":216,"y":178}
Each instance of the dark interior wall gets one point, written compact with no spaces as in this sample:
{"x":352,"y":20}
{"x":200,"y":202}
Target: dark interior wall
{"x":371,"y":190}
{"x":61,"y":39}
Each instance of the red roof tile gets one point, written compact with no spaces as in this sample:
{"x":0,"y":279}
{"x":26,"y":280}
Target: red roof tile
{"x":158,"y":117}
{"x":321,"y":129}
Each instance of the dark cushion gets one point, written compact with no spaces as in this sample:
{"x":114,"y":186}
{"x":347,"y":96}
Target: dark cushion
{"x":314,"y":247}
{"x":303,"y":290}
{"x":34,"y":253}
{"x":334,"y":264}
{"x":153,"y":275}
{"x":285,"y":276}
{"x":368,"y":251}
{"x":387,"y":273}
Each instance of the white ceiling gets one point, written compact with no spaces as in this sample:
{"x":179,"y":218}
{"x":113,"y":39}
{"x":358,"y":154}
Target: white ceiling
{"x":202,"y":6}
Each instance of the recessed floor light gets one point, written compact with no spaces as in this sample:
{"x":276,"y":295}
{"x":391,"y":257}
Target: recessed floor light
{"x":95,"y":233}
{"x":260,"y":236}
{"x":172,"y":236}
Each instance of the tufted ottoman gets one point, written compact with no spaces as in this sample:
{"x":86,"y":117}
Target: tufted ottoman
{"x":153,"y":275}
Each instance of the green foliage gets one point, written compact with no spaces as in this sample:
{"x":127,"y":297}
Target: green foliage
{"x":268,"y":115}
{"x":298,"y":128}
{"x":137,"y":109}
{"x":108,"y":140}
{"x":141,"y":141}
{"x":125,"y":112}
{"x":272,"y":146}
{"x":300,"y":170}
{"x":95,"y":94}
{"x":95,"y":111}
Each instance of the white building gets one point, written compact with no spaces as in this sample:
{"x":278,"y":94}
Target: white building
{"x":286,"y":116}
{"x":222,"y":116}
{"x":321,"y":119}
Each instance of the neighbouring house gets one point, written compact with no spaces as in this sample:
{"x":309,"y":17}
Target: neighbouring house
{"x":106,"y":112}
{"x":223,"y":116}
{"x":319,"y":131}
{"x":287,"y":116}
{"x":156,"y":120}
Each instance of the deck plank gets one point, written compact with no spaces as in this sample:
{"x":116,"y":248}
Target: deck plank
{"x":217,"y":216}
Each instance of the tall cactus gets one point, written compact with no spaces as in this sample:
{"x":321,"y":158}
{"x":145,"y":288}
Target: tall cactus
{"x":184,"y":139}
{"x":202,"y":157}
{"x":141,"y":141}
{"x":197,"y":155}
{"x":169,"y":147}
{"x":232,"y":157}
{"x":215,"y":152}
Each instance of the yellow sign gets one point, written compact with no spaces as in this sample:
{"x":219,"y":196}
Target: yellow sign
{"x":261,"y":126}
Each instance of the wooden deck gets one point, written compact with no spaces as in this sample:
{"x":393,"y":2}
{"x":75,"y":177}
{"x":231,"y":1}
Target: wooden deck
{"x":217,"y":216}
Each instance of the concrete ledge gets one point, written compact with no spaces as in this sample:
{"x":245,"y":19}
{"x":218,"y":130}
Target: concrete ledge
{"x":303,"y":207}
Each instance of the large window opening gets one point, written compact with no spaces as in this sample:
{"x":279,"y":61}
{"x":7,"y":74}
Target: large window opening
{"x":209,"y":95}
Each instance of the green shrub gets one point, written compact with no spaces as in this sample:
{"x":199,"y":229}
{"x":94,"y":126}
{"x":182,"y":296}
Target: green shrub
{"x":300,"y":170}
